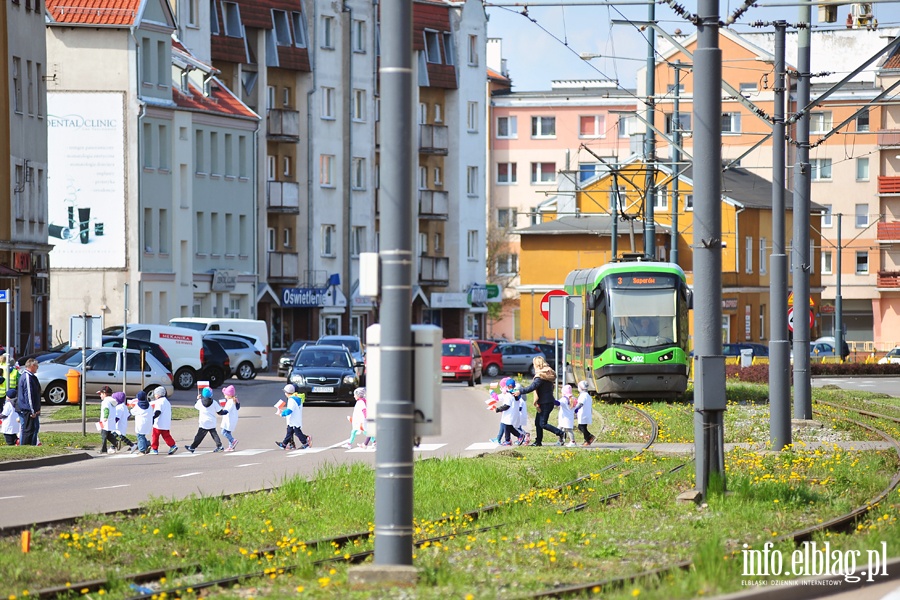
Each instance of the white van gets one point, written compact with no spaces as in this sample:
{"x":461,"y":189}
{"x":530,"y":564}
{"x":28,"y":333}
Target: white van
{"x":253,"y":327}
{"x":184,"y":347}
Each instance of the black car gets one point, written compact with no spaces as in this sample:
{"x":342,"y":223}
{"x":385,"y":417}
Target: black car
{"x":287,"y":359}
{"x":324,"y":373}
{"x":215,"y":367}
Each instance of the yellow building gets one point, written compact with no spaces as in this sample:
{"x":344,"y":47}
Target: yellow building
{"x":563,"y":242}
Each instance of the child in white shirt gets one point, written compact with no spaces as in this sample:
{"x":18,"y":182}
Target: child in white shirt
{"x":230,"y":418}
{"x":108,"y":418}
{"x":143,"y":421}
{"x":293,"y":416}
{"x":122,"y":423}
{"x":9,"y":419}
{"x":358,"y":418}
{"x":567,"y":416}
{"x":584,"y":412}
{"x":207,"y":420}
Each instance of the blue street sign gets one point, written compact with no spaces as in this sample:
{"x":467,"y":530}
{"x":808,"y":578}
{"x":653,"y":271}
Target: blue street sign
{"x":4,"y":296}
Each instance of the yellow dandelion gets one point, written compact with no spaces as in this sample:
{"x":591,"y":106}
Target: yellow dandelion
{"x":300,"y":589}
{"x":635,"y":593}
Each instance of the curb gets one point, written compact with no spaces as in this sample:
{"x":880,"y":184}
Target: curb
{"x":47,"y":461}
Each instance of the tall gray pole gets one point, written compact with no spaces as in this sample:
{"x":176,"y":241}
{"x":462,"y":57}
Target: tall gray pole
{"x":800,"y":247}
{"x":125,"y":343}
{"x":838,"y":299}
{"x":613,"y":225}
{"x":650,"y":137}
{"x":394,"y":455}
{"x":676,"y":159}
{"x":779,"y":345}
{"x":709,"y":364}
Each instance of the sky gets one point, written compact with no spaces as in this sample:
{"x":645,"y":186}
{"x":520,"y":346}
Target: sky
{"x":547,"y":44}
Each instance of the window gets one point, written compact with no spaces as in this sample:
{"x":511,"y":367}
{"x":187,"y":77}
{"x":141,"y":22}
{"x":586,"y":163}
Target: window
{"x":472,"y":117}
{"x":624,"y":126}
{"x":41,"y":91}
{"x":472,"y":245}
{"x":199,"y":155}
{"x":270,"y":168}
{"x":213,"y":18}
{"x":826,"y":216}
{"x":299,"y":24}
{"x":432,"y":46}
{"x":232,"y":20}
{"x":149,"y":241}
{"x":507,"y":264}
{"x":543,"y":172}
{"x":438,"y":117}
{"x":164,"y":147}
{"x":270,"y":96}
{"x":688,"y":202}
{"x":359,"y":105}
{"x":762,"y":321}
{"x":437,"y":177}
{"x":862,"y":169}
{"x":148,"y":145}
{"x":192,"y":13}
{"x":861,"y":212}
{"x":326,"y":170}
{"x":437,"y":243}
{"x":285,"y":96}
{"x":358,"y":174}
{"x":763,"y":259}
{"x":820,"y":169}
{"x":327,"y":103}
{"x":286,"y":164}
{"x":507,"y":128}
{"x":357,"y":241}
{"x":506,"y":173}
{"x":472,"y":181}
{"x":670,"y":88}
{"x":449,"y":55}
{"x":586,"y":171}
{"x":17,"y":84}
{"x":201,"y":234}
{"x":506,"y":218}
{"x":327,"y":33}
{"x":423,"y":113}
{"x":731,"y":122}
{"x":472,"y":54}
{"x":748,"y":254}
{"x":862,"y":120}
{"x":820,"y":122}
{"x":592,"y":126}
{"x":286,"y":237}
{"x":328,"y":240}
{"x":684,"y":122}
{"x":214,"y":153}
{"x":29,"y":73}
{"x":749,"y":88}
{"x":826,"y":262}
{"x":661,"y":200}
{"x":422,"y":244}
{"x":423,"y":178}
{"x":543,"y":126}
{"x":862,"y":263}
{"x":282,"y":28}
{"x":270,"y":239}
{"x":359,"y":35}
{"x":243,"y":234}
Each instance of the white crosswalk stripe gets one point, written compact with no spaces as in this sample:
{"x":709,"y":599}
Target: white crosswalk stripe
{"x":249,"y":452}
{"x":482,"y":446}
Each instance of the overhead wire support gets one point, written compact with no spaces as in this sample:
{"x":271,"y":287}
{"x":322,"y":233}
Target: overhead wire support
{"x":739,"y":12}
{"x":682,"y":12}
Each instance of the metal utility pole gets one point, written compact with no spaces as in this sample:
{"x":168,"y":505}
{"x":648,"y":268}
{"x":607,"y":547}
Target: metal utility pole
{"x":838,"y":299}
{"x":800,"y":247}
{"x":709,"y":364}
{"x":779,"y":345}
{"x":650,"y":138}
{"x":394,"y":455}
{"x":676,"y":158}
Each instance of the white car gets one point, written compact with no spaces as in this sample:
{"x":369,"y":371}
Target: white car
{"x":244,"y":356}
{"x":104,"y":367}
{"x":891,"y":358}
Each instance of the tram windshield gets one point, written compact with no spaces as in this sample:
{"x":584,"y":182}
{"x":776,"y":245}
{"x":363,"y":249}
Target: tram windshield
{"x":642,"y":316}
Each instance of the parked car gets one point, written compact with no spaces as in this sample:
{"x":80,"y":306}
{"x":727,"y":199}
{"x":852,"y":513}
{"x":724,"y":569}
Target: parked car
{"x":519,"y":358}
{"x":245,"y":357}
{"x":820,"y":349}
{"x":547,"y":348}
{"x":254,"y":329}
{"x":215,"y":366}
{"x":287,"y":359}
{"x":104,"y":367}
{"x":354,"y":345}
{"x":109,"y":341}
{"x":184,"y":347}
{"x":829,"y":339}
{"x":892,"y":357}
{"x":735,"y":349}
{"x":491,"y":357}
{"x":324,"y":372}
{"x":461,"y":361}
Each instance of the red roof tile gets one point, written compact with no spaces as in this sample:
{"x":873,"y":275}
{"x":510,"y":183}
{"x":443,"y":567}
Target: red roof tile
{"x":94,"y":12}
{"x":220,"y":101}
{"x":492,"y":74}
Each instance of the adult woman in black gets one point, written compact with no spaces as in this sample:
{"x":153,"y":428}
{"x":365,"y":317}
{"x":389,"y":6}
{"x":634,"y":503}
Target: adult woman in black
{"x":543,"y":384}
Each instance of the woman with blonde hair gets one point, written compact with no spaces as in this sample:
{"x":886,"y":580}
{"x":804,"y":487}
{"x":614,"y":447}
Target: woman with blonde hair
{"x":543,"y":384}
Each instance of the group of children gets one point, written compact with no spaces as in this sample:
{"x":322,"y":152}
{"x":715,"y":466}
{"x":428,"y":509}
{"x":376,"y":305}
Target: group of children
{"x":292,"y":410}
{"x":511,"y":404}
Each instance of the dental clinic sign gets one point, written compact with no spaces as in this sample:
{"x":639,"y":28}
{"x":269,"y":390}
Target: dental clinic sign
{"x":303,"y":297}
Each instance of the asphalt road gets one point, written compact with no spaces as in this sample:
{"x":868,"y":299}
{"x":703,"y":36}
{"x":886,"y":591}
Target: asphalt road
{"x":121,"y":481}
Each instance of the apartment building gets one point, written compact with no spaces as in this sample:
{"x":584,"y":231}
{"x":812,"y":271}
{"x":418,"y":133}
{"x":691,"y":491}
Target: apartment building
{"x":24,"y":247}
{"x":152,"y":171}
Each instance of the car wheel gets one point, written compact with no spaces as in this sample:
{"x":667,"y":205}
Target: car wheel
{"x":149,"y":390}
{"x":216,"y":378}
{"x":492,"y":370}
{"x":57,"y":393}
{"x":246,"y":371}
{"x":185,"y":378}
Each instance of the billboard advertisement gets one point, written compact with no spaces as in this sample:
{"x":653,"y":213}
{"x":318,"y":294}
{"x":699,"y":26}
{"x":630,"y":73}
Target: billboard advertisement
{"x":86,"y":179}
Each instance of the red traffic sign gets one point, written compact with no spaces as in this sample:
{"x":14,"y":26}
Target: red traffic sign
{"x":545,"y":302}
{"x":812,"y":319}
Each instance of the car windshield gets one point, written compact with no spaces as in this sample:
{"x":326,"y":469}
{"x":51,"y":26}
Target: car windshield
{"x":311,"y":357}
{"x":351,"y":344}
{"x":457,"y":350}
{"x":73,"y":357}
{"x":296,"y":345}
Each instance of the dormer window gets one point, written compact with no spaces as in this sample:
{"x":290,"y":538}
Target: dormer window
{"x":232,"y":20}
{"x":282,"y":28}
{"x":185,"y":81}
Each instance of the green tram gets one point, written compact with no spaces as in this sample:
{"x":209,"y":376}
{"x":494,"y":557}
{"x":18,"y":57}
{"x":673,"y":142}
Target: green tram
{"x":634,"y":340}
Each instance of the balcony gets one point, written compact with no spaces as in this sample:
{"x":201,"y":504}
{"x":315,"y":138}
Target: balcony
{"x":283,"y":125}
{"x":888,"y":232}
{"x":283,"y":197}
{"x":434,"y":139}
{"x":888,"y":184}
{"x":889,"y":280}
{"x":434,"y":270}
{"x":434,"y":204}
{"x":889,"y":138}
{"x":283,"y":266}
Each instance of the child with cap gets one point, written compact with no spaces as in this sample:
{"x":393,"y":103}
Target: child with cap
{"x":122,"y":423}
{"x":584,"y":412}
{"x":230,"y":418}
{"x":293,"y":416}
{"x":107,"y":420}
{"x":566,"y":422}
{"x":358,"y":418}
{"x":207,"y":420}
{"x":9,"y":419}
{"x":143,"y":422}
{"x":162,"y":421}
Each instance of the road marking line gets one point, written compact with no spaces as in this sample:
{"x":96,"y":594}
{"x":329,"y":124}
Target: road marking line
{"x":189,"y":474}
{"x":482,"y":446}
{"x":367,"y":449}
{"x":250,"y":452}
{"x":11,"y":497}
{"x":428,"y":447}
{"x":247,"y":465}
{"x":112,"y":487}
{"x":306,"y":451}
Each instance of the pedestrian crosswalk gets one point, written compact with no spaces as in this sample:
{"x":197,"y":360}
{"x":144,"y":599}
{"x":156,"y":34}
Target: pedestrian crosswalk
{"x":294,"y":453}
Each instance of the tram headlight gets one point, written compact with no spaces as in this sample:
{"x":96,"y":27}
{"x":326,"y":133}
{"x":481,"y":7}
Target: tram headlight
{"x":666,"y":356}
{"x":623,"y":357}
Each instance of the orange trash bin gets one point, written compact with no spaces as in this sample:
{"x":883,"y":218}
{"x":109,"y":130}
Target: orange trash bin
{"x":73,"y":386}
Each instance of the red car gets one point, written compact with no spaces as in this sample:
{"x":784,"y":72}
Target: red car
{"x":491,"y":357}
{"x":460,"y":361}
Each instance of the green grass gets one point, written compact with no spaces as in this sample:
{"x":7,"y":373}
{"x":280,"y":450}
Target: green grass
{"x":92,"y":412}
